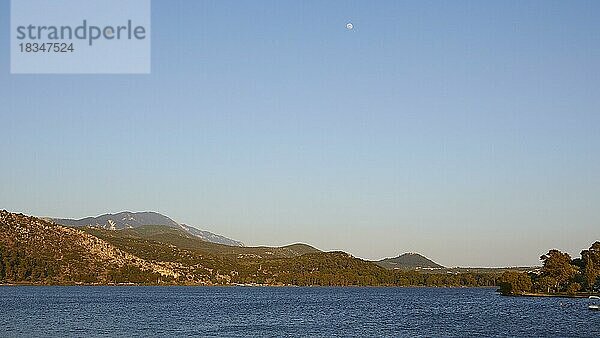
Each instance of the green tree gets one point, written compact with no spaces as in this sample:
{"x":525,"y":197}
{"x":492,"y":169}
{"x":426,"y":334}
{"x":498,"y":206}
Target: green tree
{"x":591,"y":266}
{"x":573,"y":288}
{"x":515,"y":283}
{"x":545,"y":284}
{"x":557,"y":265}
{"x":2,"y":272}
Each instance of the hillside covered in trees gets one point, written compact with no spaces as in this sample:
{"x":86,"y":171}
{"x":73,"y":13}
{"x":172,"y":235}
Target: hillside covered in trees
{"x":36,"y":251}
{"x":409,"y":261}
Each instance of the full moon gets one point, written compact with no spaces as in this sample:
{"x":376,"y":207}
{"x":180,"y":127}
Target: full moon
{"x":349,"y":26}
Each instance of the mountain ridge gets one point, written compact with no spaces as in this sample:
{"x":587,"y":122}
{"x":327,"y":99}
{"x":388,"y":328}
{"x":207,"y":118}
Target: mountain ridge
{"x":130,"y":219}
{"x":126,"y":220}
{"x":37,"y":251}
{"x":184,"y":240}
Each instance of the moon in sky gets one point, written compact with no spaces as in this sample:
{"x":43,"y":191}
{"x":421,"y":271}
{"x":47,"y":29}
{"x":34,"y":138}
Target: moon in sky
{"x":349,"y":26}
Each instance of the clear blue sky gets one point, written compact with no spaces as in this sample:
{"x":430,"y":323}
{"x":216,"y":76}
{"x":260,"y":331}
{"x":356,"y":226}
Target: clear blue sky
{"x":466,"y":131}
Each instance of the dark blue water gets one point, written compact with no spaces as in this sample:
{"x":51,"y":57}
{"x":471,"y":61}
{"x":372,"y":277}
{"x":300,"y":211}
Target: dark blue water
{"x":243,"y":311}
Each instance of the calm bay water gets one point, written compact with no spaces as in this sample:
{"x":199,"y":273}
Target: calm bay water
{"x":245,"y":311}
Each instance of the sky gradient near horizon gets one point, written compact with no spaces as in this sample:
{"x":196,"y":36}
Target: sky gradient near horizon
{"x":467,"y":131}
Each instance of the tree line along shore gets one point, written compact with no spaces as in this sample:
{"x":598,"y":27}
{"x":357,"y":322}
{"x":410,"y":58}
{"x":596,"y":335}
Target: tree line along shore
{"x":560,"y":275}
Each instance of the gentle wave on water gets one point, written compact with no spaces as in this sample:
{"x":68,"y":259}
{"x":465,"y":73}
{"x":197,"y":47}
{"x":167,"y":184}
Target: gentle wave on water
{"x":328,"y":312}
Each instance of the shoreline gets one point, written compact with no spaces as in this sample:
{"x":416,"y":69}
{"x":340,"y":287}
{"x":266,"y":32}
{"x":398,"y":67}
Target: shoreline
{"x":246,"y":286}
{"x":553,"y":295}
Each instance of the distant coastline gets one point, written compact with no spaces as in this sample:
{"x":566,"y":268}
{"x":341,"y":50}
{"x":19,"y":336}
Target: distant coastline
{"x":125,"y":285}
{"x":39,"y":252}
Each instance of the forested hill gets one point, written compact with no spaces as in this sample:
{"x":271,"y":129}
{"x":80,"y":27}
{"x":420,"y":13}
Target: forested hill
{"x":409,"y":261}
{"x":34,"y":250}
{"x":184,"y":240}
